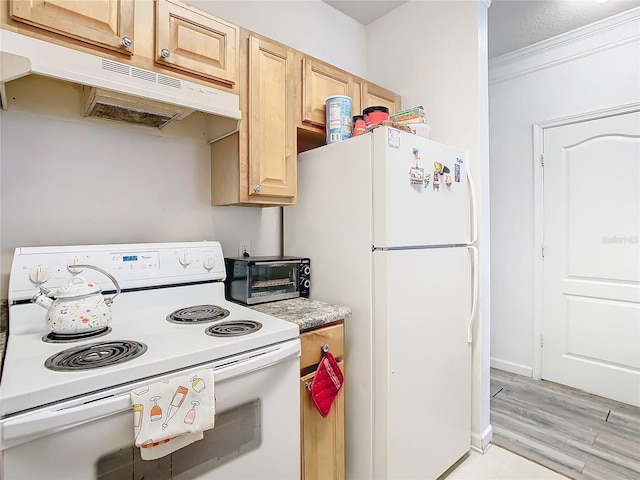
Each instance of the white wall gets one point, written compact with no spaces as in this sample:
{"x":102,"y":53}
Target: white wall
{"x":135,"y":187}
{"x":310,"y":26}
{"x":593,"y":68}
{"x":65,"y":182}
{"x":435,"y":54}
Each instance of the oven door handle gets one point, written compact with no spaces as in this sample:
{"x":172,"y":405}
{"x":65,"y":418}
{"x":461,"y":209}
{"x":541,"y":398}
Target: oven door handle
{"x":281,"y":353}
{"x":32,"y":425}
{"x":38,"y":424}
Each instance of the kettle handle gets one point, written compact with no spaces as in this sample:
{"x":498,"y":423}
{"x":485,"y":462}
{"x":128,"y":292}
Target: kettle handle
{"x":107,"y":300}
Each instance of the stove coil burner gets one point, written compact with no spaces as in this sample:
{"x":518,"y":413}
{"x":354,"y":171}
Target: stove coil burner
{"x":198,"y":314}
{"x":74,"y":337}
{"x":233,"y":328}
{"x":96,"y":355}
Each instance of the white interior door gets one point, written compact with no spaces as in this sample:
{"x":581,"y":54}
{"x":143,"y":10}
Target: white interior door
{"x":591,"y":307}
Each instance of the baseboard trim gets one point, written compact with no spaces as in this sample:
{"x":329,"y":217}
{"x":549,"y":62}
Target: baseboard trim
{"x":511,"y":367}
{"x":482,"y":441}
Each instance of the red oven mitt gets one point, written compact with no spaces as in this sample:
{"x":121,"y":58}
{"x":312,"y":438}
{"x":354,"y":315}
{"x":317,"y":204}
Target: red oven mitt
{"x":326,"y":384}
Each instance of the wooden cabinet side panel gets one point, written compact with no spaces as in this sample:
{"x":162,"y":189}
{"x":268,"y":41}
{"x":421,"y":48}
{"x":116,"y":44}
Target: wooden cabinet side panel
{"x":99,"y":22}
{"x":196,"y":42}
{"x":225,"y":170}
{"x":272,"y":152}
{"x":322,"y":438}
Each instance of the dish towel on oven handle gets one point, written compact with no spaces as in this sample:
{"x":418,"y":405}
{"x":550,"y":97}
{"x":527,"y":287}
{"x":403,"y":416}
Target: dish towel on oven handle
{"x":326,"y":384}
{"x":173,"y":413}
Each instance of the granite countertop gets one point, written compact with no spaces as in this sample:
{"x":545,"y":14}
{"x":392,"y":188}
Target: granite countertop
{"x":305,"y":313}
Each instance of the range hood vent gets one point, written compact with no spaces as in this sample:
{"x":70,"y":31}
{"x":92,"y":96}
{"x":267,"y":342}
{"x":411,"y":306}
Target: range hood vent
{"x":116,"y":91}
{"x":126,"y":108}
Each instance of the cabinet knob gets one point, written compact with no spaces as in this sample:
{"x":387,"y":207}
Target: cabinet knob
{"x":165,"y":53}
{"x":325,"y":347}
{"x":127,"y":42}
{"x":257,"y":189}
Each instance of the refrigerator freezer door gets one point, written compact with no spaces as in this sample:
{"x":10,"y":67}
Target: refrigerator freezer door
{"x":422,"y":398}
{"x":407,"y":212}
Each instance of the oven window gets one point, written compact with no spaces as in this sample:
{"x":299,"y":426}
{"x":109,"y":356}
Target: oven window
{"x":236,"y":432}
{"x":273,"y":279}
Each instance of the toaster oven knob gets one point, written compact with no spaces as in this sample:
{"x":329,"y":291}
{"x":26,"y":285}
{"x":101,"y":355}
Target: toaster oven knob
{"x":209,"y":262}
{"x":39,"y":274}
{"x":306,"y":270}
{"x":185,"y":259}
{"x":306,"y":283}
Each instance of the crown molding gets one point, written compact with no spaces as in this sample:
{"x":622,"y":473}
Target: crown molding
{"x":602,"y":35}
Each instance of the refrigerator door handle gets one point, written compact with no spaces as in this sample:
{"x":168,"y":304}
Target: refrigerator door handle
{"x":476,"y":281}
{"x":474,"y":207}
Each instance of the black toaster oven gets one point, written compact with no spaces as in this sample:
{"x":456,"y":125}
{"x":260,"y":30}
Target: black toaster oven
{"x":253,"y":280}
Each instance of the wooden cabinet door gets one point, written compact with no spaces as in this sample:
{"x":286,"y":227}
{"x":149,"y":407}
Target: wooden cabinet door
{"x":272,"y":141}
{"x":320,"y":81}
{"x":196,"y":42}
{"x":322,"y":438}
{"x":373,"y":95}
{"x":105,"y":23}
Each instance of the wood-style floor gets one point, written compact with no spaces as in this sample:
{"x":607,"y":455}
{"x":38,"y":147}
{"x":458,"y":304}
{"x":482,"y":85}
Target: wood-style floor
{"x":574,"y":433}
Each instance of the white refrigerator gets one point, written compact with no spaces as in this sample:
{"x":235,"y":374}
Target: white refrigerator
{"x":388,"y":220}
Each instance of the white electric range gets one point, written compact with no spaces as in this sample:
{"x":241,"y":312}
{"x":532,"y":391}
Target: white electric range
{"x":171,"y":318}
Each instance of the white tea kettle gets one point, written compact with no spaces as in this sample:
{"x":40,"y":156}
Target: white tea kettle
{"x":78,"y":306}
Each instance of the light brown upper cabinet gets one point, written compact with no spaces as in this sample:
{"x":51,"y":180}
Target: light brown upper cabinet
{"x":257,"y":165}
{"x":195,"y":42}
{"x":320,"y":81}
{"x":316,"y":82}
{"x":373,"y":95}
{"x":104,"y":23}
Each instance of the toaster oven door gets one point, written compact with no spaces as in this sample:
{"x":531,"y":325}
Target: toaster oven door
{"x":268,"y":281}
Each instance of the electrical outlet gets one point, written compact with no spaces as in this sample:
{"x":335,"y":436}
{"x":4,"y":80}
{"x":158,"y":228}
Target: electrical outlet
{"x":244,"y":248}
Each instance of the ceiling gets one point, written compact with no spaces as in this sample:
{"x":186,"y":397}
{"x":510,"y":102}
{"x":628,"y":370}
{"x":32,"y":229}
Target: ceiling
{"x":513,"y":24}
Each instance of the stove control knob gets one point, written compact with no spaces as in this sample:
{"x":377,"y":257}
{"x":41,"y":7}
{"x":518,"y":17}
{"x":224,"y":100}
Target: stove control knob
{"x":72,"y":266}
{"x":209,"y":262}
{"x":39,"y":274}
{"x":185,"y":259}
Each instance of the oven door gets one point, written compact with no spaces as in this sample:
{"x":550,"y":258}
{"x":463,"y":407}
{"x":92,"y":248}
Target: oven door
{"x":256,"y":433}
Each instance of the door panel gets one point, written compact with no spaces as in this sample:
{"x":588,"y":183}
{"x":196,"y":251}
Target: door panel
{"x":100,"y":22}
{"x":272,"y":147}
{"x":319,"y":82}
{"x":196,"y":42}
{"x":591,"y":307}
